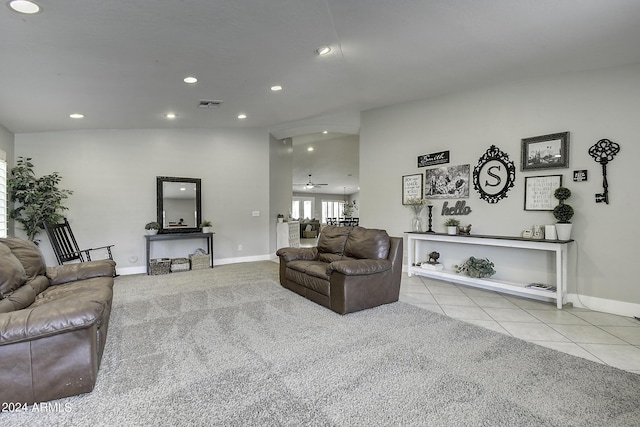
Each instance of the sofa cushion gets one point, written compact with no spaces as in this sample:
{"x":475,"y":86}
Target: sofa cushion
{"x":21,"y":298}
{"x":329,"y":258}
{"x":312,"y":283}
{"x":312,"y":268}
{"x":367,"y":243}
{"x":28,"y":254}
{"x":332,"y":239}
{"x":12,"y":274}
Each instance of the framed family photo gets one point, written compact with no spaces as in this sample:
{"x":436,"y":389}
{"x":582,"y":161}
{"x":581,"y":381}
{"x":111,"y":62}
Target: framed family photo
{"x":545,"y":152}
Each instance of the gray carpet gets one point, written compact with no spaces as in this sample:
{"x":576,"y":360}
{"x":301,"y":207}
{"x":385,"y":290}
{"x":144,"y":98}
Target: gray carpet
{"x":229,"y":346}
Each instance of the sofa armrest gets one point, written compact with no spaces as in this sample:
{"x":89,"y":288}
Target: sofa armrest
{"x":359,"y":267}
{"x":49,"y":319}
{"x":80,"y":271}
{"x":294,"y":254}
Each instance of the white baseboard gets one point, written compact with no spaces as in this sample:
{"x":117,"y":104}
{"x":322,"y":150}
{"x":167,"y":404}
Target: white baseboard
{"x":131,"y":270}
{"x":143,"y":270}
{"x":237,"y":260}
{"x":620,"y":308}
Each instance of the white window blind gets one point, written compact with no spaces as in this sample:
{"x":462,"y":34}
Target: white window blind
{"x":3,"y":195}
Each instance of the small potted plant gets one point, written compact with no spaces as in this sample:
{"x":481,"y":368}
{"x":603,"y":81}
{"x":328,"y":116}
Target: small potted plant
{"x":280,"y":218}
{"x":563,"y":213}
{"x":452,"y":225}
{"x":206,"y":227}
{"x":152,"y":228}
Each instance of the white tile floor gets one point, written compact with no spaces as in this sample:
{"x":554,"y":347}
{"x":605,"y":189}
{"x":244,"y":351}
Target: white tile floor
{"x":601,"y":337}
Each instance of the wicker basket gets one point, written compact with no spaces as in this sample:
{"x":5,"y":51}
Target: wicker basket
{"x":199,"y":262}
{"x":179,"y":264}
{"x":160,"y":266}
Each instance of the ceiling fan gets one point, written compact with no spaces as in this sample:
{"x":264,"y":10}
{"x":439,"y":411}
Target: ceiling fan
{"x":310,"y":184}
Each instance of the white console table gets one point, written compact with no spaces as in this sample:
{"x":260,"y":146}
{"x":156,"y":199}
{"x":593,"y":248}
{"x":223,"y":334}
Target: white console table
{"x":420,"y":244}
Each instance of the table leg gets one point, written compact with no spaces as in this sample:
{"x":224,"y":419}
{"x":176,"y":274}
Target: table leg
{"x":148,"y":250}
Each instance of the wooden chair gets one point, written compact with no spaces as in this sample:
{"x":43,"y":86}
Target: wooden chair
{"x":65,"y":246}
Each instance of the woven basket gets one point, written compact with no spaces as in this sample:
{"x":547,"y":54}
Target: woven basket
{"x":160,"y":266}
{"x":199,"y":262}
{"x":179,"y":264}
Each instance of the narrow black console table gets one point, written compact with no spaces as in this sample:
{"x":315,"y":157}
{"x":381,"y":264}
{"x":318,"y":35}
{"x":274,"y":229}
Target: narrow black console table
{"x":179,"y":236}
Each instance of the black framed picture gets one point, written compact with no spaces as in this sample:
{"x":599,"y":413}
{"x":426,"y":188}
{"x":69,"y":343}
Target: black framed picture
{"x":538,"y":192}
{"x":447,"y":182}
{"x":545,"y":152}
{"x":412,"y":186}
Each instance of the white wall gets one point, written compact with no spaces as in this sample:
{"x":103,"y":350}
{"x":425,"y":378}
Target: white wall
{"x":280,"y":183}
{"x":592,"y":106}
{"x":6,"y":145}
{"x":113,"y":176}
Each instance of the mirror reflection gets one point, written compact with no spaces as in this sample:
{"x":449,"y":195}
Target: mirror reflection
{"x":179,"y":204}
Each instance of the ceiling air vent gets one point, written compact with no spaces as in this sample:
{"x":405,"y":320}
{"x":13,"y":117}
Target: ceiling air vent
{"x":209,"y":103}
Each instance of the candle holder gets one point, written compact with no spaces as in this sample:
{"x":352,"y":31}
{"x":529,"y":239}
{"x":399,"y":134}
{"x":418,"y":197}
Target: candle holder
{"x":430,"y":207}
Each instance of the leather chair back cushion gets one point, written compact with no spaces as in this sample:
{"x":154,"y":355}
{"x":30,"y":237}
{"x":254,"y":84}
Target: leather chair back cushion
{"x":332,"y":239}
{"x":12,"y":274}
{"x":28,"y":254}
{"x":367,"y":243}
{"x":21,"y":298}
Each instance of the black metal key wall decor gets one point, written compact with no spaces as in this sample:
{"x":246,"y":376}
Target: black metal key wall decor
{"x":603,"y":152}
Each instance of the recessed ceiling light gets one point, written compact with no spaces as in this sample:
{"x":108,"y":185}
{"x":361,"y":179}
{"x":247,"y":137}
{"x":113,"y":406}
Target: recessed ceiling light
{"x":322,"y":50}
{"x":325,"y":132}
{"x":276,"y":88}
{"x":76,"y":116}
{"x":310,"y":149}
{"x":24,"y":6}
{"x":242,"y":116}
{"x":171,"y":116}
{"x":190,"y":80}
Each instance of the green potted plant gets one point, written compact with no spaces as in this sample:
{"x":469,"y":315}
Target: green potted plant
{"x":152,"y":228}
{"x":563,"y":213}
{"x":206,"y":226}
{"x":452,"y":225}
{"x":39,"y":199}
{"x":476,"y":267}
{"x":280,"y":218}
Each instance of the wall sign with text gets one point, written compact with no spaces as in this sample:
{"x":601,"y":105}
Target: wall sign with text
{"x":433,"y":159}
{"x":412,"y":186}
{"x":538,"y":192}
{"x":494,"y":175}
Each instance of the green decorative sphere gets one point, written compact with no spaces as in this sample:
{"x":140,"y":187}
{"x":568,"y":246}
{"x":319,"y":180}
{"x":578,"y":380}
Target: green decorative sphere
{"x":563,"y":213}
{"x":562,"y":193}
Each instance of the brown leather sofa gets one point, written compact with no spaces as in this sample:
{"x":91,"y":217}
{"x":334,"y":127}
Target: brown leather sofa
{"x":53,"y":324}
{"x":350,"y":269}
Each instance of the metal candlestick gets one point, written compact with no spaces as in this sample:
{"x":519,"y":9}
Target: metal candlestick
{"x":430,"y":230}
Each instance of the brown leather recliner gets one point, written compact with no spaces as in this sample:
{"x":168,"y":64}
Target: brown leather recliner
{"x":53,"y":324}
{"x":350,"y":269}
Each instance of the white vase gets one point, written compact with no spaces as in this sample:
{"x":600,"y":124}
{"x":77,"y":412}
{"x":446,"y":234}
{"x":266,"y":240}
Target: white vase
{"x":207,"y":229}
{"x":550,"y":232}
{"x":152,"y":232}
{"x":453,"y":230}
{"x":564,"y":231}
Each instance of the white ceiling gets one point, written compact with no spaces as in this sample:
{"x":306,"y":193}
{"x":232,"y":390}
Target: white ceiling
{"x":121,"y":63}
